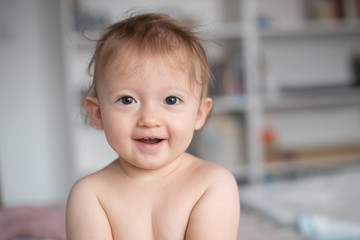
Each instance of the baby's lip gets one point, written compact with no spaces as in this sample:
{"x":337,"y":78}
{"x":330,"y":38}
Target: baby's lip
{"x":150,"y":140}
{"x":150,"y":144}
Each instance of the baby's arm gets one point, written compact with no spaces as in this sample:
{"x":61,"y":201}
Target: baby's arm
{"x":216,"y":215}
{"x":85,"y":218}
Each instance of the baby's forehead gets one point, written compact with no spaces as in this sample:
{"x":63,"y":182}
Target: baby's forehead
{"x":138,"y":67}
{"x":131,"y":63}
{"x":133,"y":56}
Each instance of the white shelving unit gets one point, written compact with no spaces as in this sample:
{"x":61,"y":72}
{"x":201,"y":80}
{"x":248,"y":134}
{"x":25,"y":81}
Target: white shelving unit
{"x":256,"y":105}
{"x":254,"y":118}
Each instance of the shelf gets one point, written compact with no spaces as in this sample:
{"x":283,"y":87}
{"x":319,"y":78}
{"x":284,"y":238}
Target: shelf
{"x":235,"y":30}
{"x":284,"y":167}
{"x":296,"y":99}
{"x":297,"y":167}
{"x":314,"y":29}
{"x":288,"y":167}
{"x":307,"y":98}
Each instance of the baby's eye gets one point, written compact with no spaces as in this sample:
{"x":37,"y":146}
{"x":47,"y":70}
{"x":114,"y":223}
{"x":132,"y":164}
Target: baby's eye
{"x":172,"y":100}
{"x":127,"y":100}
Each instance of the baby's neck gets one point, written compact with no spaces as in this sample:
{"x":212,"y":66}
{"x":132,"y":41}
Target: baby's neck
{"x":149,"y":176}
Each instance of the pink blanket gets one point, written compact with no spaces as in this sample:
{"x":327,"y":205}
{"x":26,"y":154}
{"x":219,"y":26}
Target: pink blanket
{"x":33,"y":222}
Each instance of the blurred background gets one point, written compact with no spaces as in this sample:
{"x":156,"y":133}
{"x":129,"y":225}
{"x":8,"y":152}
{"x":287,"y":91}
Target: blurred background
{"x":286,"y":119}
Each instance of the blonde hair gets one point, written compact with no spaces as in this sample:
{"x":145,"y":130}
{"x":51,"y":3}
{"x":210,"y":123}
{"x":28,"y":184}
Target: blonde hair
{"x":155,"y":35}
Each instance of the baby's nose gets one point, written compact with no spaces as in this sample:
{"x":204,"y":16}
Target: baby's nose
{"x":149,"y":116}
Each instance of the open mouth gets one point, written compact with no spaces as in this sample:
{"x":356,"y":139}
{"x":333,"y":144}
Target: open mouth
{"x":150,"y":140}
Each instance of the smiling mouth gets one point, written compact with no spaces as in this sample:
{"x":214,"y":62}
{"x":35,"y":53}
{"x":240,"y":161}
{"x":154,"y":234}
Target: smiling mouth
{"x":150,"y":140}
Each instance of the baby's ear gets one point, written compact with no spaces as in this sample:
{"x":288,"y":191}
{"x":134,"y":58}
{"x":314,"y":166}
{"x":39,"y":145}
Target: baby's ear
{"x":93,"y":108}
{"x":204,"y":109}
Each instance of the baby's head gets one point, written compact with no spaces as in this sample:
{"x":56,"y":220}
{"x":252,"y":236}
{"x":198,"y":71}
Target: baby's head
{"x":149,"y":91}
{"x":155,"y":37}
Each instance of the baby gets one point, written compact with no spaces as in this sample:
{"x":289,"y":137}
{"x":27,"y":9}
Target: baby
{"x":149,"y":94}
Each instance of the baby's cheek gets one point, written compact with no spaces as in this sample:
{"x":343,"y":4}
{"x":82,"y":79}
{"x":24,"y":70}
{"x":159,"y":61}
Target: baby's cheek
{"x":185,"y":131}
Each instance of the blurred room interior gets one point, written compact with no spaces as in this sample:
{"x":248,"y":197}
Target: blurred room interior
{"x":286,"y":117}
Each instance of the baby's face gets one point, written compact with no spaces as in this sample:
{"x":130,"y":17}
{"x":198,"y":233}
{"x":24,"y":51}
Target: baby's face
{"x":149,"y":113}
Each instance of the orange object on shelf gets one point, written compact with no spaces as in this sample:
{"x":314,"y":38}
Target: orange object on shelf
{"x":268,"y":136}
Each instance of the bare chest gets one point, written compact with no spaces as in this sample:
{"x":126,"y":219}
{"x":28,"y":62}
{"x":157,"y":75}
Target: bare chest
{"x":149,"y":215}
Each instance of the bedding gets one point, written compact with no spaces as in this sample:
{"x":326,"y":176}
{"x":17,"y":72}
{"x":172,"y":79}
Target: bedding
{"x":32,"y":223}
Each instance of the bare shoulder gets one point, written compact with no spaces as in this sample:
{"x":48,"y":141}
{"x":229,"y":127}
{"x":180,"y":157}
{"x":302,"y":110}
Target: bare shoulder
{"x":85,"y":217}
{"x":216,"y":214}
{"x":90,"y":184}
{"x":214,"y":175}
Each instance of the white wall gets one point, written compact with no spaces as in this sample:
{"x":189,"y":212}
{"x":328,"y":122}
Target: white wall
{"x":33,"y":151}
{"x":205,"y":11}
